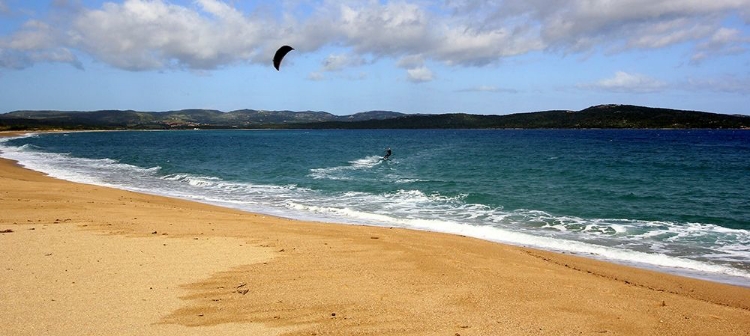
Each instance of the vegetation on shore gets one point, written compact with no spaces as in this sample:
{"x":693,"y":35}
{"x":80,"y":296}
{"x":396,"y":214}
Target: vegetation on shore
{"x":600,"y":116}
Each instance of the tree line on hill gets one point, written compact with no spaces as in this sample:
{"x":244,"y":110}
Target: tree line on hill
{"x":600,"y":116}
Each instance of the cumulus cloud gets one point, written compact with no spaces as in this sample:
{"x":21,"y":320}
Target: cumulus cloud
{"x":419,"y":75}
{"x":574,"y":26}
{"x":627,"y":82}
{"x":384,"y":29}
{"x":143,"y":35}
{"x":208,"y":34}
{"x":35,"y":42}
{"x":582,"y":24}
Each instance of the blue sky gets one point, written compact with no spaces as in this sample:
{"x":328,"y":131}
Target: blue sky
{"x":412,"y":56}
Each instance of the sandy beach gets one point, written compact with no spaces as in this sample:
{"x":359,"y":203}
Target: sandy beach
{"x":79,"y":259}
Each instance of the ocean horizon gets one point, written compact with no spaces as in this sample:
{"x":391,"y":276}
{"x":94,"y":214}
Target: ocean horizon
{"x":675,"y":201}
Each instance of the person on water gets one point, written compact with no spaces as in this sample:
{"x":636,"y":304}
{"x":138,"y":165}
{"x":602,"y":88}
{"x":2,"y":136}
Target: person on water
{"x":387,"y":154}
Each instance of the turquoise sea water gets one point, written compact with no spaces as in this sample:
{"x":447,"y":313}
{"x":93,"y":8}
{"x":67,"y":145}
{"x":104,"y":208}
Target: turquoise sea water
{"x":677,"y":201}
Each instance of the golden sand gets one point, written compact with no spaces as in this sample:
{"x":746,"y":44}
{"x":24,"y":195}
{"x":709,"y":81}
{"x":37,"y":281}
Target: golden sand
{"x":77,"y":259}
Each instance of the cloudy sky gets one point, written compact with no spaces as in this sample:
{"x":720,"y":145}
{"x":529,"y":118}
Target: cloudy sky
{"x":413,"y":56}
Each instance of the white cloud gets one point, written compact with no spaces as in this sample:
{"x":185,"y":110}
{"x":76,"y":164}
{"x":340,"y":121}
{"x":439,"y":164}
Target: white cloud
{"x":410,"y":61}
{"x":142,"y":35}
{"x":4,"y":9}
{"x":315,"y":76}
{"x":60,"y":55}
{"x":13,"y":59}
{"x":723,"y":42}
{"x":32,"y":35}
{"x":662,"y":34}
{"x":623,"y":82}
{"x":339,"y":62}
{"x":37,"y":41}
{"x":627,"y":82}
{"x":384,"y":29}
{"x":466,"y":46}
{"x":208,"y":34}
{"x":581,"y":25}
{"x":419,"y":75}
{"x":725,"y":84}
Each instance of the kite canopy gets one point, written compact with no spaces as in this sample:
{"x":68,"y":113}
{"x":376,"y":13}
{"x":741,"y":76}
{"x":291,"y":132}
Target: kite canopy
{"x":280,"y":55}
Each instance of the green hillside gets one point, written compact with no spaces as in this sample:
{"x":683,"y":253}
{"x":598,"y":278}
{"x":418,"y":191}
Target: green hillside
{"x":601,"y":116}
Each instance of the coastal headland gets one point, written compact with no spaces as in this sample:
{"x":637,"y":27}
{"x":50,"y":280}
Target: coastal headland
{"x":83,"y":259}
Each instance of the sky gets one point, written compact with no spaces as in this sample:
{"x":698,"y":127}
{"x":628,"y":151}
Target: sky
{"x":411,"y":56}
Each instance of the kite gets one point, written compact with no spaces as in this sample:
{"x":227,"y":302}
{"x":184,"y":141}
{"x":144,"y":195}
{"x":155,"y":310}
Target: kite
{"x":280,"y":55}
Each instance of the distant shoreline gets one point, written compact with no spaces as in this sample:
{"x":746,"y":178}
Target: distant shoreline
{"x":595,"y":117}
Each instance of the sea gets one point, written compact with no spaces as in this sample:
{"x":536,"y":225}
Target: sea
{"x":676,"y":201}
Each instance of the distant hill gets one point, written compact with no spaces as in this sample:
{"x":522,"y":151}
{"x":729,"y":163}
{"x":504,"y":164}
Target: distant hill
{"x":118,"y":119}
{"x":601,"y":116}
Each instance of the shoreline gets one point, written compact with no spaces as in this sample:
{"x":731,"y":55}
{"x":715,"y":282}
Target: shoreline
{"x":296,"y":277}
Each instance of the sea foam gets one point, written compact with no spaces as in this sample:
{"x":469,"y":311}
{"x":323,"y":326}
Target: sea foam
{"x":653,"y":244}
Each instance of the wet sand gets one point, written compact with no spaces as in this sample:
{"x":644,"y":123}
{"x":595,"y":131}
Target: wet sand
{"x":81,"y":259}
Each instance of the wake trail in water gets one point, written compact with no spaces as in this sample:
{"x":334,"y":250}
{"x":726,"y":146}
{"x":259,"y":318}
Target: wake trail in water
{"x":346,"y":172}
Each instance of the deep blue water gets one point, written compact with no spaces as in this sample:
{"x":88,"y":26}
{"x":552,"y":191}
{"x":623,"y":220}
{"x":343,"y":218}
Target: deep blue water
{"x":675,"y":200}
